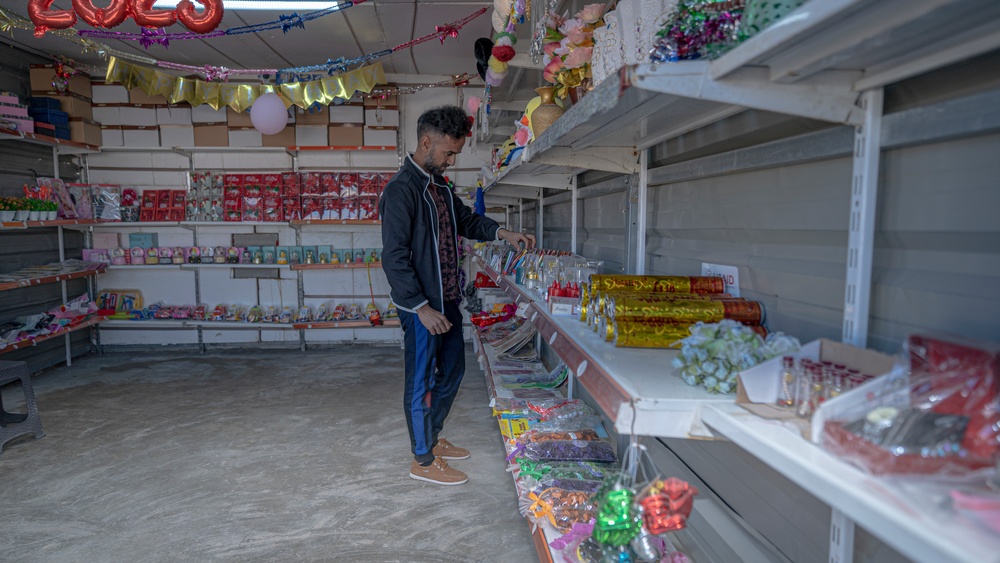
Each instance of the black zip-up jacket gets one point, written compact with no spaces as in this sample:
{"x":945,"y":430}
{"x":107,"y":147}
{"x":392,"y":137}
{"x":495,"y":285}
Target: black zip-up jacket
{"x":410,"y":256}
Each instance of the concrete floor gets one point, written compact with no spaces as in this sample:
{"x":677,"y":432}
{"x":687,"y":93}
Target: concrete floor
{"x":264,"y":456}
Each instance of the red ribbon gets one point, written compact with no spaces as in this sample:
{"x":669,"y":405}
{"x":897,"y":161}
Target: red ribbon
{"x":444,"y":31}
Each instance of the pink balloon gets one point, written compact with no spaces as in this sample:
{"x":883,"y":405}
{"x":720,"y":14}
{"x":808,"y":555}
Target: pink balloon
{"x":268,"y":114}
{"x":474,"y":103}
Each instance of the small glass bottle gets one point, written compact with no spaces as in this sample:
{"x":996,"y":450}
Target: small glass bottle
{"x":786,"y":393}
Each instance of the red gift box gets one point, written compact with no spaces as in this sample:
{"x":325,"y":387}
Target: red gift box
{"x":349,"y":208}
{"x":330,"y":182}
{"x":349,"y":185}
{"x":291,"y":208}
{"x":232,"y":184}
{"x":290,"y":184}
{"x":332,"y":208}
{"x":312,"y":183}
{"x":232,"y":203}
{"x":149,"y":199}
{"x":312,"y":207}
{"x":368,"y":208}
{"x":178,"y":199}
{"x":233,"y":215}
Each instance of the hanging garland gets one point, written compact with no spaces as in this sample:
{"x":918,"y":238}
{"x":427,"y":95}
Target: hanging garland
{"x":241,"y":97}
{"x":285,"y":23}
{"x":9,"y":21}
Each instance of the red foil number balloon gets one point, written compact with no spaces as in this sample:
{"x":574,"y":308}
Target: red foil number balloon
{"x":46,"y":19}
{"x":668,"y":505}
{"x":120,"y":10}
{"x":112,"y":16}
{"x":207,"y":21}
{"x":146,"y":16}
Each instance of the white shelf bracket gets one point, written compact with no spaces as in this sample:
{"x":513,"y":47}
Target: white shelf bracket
{"x":861,"y":226}
{"x":841,"y":537}
{"x":640,"y":215}
{"x":574,"y":216}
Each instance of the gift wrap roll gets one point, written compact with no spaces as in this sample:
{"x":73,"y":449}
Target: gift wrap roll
{"x":637,"y":332}
{"x":687,"y":311}
{"x":645,"y":334}
{"x":613,"y":295}
{"x":658,"y":284}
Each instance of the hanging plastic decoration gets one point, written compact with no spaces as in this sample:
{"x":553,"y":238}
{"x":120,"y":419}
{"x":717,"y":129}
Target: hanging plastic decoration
{"x":112,"y":16}
{"x":145,"y":16}
{"x":269,"y":114}
{"x":697,"y":29}
{"x":120,"y":10}
{"x":46,"y":19}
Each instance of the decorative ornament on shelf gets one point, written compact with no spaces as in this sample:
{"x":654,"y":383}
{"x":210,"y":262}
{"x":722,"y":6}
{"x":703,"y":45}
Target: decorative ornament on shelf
{"x":698,"y":29}
{"x":547,"y":112}
{"x":569,"y":47}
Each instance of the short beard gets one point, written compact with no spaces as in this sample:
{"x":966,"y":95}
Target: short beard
{"x":433,"y":169}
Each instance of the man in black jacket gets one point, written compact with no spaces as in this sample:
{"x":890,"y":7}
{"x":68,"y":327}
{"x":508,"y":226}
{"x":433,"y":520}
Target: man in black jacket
{"x":421,"y":222}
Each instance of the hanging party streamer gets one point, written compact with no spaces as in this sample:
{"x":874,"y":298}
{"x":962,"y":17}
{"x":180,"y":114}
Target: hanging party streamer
{"x":10,"y":21}
{"x":284,"y":22}
{"x":240,"y":97}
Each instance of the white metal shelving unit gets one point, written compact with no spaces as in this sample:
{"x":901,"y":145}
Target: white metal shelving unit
{"x":829,"y":60}
{"x":636,"y":388}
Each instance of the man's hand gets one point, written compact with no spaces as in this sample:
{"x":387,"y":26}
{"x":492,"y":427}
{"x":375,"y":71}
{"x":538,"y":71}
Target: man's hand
{"x":435,"y":322}
{"x":516,"y":238}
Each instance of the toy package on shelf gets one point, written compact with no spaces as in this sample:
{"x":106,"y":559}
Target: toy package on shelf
{"x":936,"y":413}
{"x":67,"y":208}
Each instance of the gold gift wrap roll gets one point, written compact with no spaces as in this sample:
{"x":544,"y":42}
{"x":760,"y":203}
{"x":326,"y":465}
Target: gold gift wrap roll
{"x":613,"y":295}
{"x":645,"y":334}
{"x":658,"y":284}
{"x":584,"y":300}
{"x":687,"y":311}
{"x":636,"y":332}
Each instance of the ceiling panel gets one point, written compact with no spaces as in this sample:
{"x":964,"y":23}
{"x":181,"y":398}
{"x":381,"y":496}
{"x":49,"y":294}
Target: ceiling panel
{"x":369,"y":27}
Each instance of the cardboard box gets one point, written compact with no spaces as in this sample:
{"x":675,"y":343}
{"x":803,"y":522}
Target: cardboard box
{"x":319,"y":116}
{"x":380,"y":136}
{"x":347,"y":113}
{"x":311,"y":135}
{"x":211,"y":134}
{"x":177,"y":135}
{"x":205,"y":114}
{"x":386,"y":102}
{"x":143,"y":240}
{"x":42,"y":76}
{"x":141,"y":135}
{"x":106,"y":240}
{"x":346,"y":135}
{"x":107,"y":114}
{"x":758,"y":387}
{"x":109,"y":93}
{"x":244,"y":137}
{"x":382,"y":117}
{"x":112,"y":136}
{"x":178,"y":114}
{"x":238,"y":119}
{"x":26,"y":125}
{"x":85,"y":131}
{"x":284,"y":138}
{"x":137,"y":96}
{"x":138,"y":114}
{"x":74,"y":105}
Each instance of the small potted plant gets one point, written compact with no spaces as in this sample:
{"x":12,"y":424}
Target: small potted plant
{"x":7,"y":210}
{"x":51,"y":209}
{"x":35,"y":208}
{"x":21,"y":208}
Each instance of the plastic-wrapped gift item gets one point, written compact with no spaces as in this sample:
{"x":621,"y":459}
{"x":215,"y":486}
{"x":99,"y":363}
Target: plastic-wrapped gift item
{"x":285,"y":316}
{"x":567,"y":450}
{"x":304,"y":315}
{"x":937,"y":414}
{"x":198,"y":313}
{"x":559,"y":507}
{"x":665,"y":505}
{"x":532,"y":435}
{"x":569,"y":423}
{"x":253,"y":315}
{"x":322,"y":313}
{"x":270,"y":314}
{"x":565,"y":408}
{"x":235,"y":313}
{"x":218,"y":314}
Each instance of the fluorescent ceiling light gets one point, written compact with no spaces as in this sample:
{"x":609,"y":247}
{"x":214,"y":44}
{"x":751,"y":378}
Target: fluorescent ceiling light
{"x":272,"y":5}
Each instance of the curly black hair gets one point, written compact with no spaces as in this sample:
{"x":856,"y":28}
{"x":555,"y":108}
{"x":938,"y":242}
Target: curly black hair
{"x":445,"y":120}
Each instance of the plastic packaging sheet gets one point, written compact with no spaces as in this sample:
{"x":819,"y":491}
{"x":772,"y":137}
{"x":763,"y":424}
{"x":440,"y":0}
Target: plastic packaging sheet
{"x":937,"y":413}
